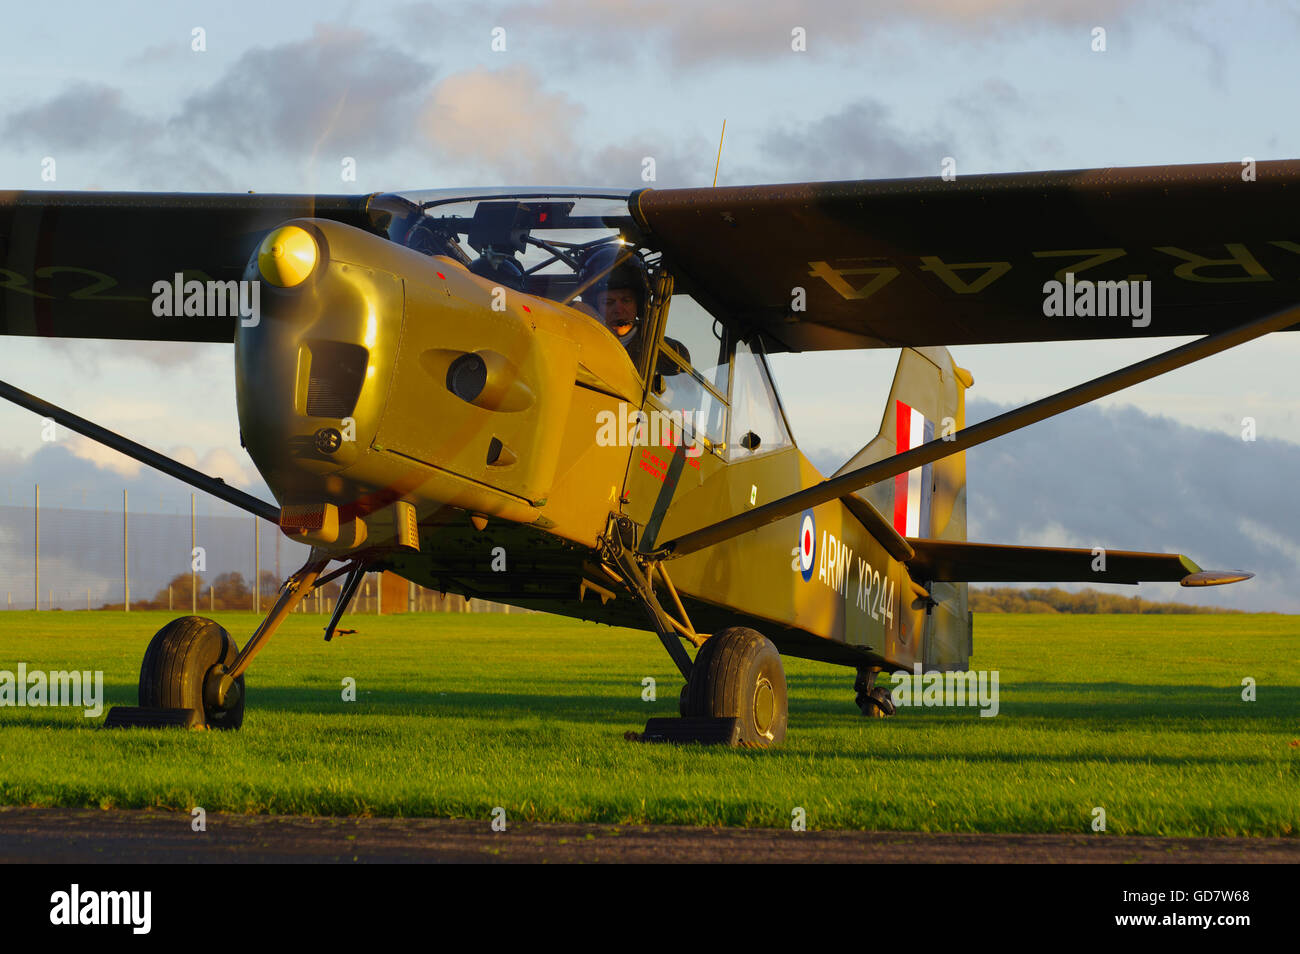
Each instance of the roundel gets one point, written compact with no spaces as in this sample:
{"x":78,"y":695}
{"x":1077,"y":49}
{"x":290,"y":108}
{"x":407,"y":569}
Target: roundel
{"x":807,"y":544}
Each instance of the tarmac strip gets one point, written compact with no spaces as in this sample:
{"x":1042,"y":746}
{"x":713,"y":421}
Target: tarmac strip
{"x":82,"y":836}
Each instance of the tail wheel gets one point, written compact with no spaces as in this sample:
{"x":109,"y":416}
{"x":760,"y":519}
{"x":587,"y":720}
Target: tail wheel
{"x":738,"y":674}
{"x":177,"y":663}
{"x":874,"y":701}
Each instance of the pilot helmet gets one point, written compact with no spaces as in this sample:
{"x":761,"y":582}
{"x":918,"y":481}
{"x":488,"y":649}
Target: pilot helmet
{"x":612,"y":267}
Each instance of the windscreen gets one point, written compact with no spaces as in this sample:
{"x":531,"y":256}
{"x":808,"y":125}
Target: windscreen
{"x":535,"y":241}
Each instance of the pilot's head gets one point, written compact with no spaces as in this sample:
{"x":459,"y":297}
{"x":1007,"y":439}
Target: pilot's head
{"x":619,"y":309}
{"x":618,"y":287}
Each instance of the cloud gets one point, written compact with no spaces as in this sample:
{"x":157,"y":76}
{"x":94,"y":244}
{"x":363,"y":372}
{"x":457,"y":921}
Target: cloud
{"x":81,"y":543}
{"x":1125,"y":480}
{"x":83,"y":116}
{"x":861,"y":140}
{"x":338,"y":92}
{"x":94,"y":118}
{"x":1122,"y":479}
{"x":72,"y":474}
{"x":90,"y":357}
{"x":504,"y":125}
{"x":335,"y":92}
{"x":694,"y":34}
{"x":983,"y":112}
{"x":344,"y":91}
{"x":217,"y":462}
{"x":505,"y":121}
{"x":104,"y":458}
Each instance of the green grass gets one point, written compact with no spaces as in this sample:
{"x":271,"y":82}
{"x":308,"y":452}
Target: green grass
{"x":456,"y":714}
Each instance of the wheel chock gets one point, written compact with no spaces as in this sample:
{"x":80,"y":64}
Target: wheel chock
{"x":705,"y":730}
{"x":144,"y":717}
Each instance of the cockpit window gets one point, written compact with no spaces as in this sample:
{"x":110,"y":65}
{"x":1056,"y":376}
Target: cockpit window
{"x":757,"y":423}
{"x":692,"y":369}
{"x":699,"y":339}
{"x":578,"y":248}
{"x":530,"y":241}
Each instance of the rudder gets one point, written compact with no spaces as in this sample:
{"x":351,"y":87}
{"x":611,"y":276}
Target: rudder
{"x":927,"y":400}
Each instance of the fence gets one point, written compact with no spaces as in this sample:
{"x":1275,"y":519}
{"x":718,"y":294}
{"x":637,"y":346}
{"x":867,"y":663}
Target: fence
{"x":198,"y":554}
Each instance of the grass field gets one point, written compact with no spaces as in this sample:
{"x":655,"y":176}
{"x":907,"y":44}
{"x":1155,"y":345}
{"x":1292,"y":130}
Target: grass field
{"x":457,"y":714}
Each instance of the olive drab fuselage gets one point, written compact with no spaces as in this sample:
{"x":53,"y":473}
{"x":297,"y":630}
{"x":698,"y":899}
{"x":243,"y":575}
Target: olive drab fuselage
{"x":346,"y":391}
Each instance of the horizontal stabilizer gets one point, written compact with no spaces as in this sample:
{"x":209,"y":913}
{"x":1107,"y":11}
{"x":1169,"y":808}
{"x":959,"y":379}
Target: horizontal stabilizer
{"x":880,"y":528}
{"x":1215,"y":577}
{"x":960,"y":562}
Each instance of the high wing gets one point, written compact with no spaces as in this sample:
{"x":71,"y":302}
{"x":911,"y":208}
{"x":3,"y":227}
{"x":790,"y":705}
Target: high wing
{"x":913,"y":262}
{"x":959,"y":561}
{"x":82,"y":264}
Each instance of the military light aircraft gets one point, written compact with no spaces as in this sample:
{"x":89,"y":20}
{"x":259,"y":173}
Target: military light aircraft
{"x":429,"y":386}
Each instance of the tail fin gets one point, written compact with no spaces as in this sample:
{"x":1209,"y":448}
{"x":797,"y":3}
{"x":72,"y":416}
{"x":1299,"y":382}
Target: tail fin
{"x":927,"y":400}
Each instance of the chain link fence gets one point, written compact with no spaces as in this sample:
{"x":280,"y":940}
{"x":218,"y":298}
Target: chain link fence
{"x":184,"y":554}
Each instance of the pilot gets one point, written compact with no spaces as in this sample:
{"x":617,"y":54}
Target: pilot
{"x":615,"y":282}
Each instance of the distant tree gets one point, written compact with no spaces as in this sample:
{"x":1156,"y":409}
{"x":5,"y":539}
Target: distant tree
{"x":231,"y":592}
{"x":270,"y":584}
{"x":1008,"y":599}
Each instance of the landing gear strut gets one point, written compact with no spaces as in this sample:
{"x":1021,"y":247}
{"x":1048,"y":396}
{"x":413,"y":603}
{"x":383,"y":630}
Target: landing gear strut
{"x":220,"y":680}
{"x":735,"y":687}
{"x":193,"y":673}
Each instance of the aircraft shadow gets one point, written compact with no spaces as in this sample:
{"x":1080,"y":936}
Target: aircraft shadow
{"x":1194,"y":708}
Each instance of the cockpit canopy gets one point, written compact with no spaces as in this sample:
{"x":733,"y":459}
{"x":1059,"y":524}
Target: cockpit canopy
{"x":550,"y":243}
{"x":532,"y":241}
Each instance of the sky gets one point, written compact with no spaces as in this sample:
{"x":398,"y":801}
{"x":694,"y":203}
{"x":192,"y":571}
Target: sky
{"x":275,"y":97}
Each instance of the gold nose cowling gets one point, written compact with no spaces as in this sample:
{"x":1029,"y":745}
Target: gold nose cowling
{"x":287,"y":256}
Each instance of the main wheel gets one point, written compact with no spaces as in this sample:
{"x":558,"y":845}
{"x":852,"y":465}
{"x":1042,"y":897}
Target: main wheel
{"x":177,"y":663}
{"x":738,"y":674}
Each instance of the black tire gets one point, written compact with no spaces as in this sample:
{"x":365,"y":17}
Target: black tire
{"x":177,"y":663}
{"x":875,"y":702}
{"x":738,"y":674}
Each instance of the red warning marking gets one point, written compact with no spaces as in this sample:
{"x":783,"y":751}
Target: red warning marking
{"x":654,"y":465}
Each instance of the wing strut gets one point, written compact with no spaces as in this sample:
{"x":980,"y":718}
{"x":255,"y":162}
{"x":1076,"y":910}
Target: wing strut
{"x":1012,"y":420}
{"x":213,"y":485}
